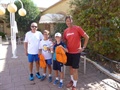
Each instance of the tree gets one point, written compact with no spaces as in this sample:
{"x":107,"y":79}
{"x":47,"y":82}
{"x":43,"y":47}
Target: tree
{"x":101,"y":20}
{"x":33,"y":14}
{"x":60,"y":27}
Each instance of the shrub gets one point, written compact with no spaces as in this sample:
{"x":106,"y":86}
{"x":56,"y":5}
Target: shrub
{"x":2,"y":34}
{"x":101,"y":20}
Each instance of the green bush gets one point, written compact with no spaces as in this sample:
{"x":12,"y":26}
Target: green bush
{"x":2,"y":34}
{"x":59,"y":27}
{"x":101,"y":20}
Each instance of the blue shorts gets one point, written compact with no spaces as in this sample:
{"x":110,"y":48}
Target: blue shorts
{"x":57,"y":66}
{"x":48,"y":61}
{"x":33,"y":57}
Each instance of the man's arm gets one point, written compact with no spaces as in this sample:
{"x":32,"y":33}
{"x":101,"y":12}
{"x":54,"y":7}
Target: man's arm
{"x":26,"y":47}
{"x":86,"y":37}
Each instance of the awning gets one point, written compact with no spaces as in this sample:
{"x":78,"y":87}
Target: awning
{"x":52,"y":18}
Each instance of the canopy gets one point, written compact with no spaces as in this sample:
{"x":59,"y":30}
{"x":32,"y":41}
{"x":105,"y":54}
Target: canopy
{"x":52,"y":18}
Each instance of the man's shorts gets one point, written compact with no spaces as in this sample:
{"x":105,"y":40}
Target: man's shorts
{"x":33,"y":57}
{"x":48,"y":61}
{"x":57,"y":66}
{"x":73,"y":60}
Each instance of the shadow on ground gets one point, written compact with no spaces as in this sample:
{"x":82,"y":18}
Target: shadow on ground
{"x":14,"y":75}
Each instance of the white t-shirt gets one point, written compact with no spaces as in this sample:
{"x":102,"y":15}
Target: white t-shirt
{"x":33,"y":40}
{"x":43,"y":45}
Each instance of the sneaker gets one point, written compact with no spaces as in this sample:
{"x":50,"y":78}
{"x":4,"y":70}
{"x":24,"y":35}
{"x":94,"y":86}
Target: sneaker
{"x":31,"y":77}
{"x":38,"y":76}
{"x":43,"y":78}
{"x":50,"y":79}
{"x":74,"y":88}
{"x":60,"y":85}
{"x":56,"y":82}
{"x":70,"y":84}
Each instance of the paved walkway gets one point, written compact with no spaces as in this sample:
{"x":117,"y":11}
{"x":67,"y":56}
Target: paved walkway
{"x":14,"y":75}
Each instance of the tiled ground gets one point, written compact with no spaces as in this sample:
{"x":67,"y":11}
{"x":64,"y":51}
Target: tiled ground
{"x":14,"y":75}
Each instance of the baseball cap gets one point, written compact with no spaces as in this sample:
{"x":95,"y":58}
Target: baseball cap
{"x":58,"y":34}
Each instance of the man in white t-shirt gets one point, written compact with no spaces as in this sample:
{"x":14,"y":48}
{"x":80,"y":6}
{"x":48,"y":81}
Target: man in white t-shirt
{"x":45,"y":49}
{"x":31,"y":46}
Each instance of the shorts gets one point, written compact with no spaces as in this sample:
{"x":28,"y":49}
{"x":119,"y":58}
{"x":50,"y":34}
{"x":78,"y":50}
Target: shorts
{"x":33,"y":57}
{"x":48,"y":61}
{"x":57,"y":66}
{"x":73,"y":60}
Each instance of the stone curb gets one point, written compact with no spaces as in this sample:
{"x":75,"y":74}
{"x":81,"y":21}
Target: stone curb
{"x":113,"y":76}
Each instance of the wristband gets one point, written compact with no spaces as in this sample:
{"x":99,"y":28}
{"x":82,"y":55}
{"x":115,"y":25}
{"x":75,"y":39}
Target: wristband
{"x":83,"y":47}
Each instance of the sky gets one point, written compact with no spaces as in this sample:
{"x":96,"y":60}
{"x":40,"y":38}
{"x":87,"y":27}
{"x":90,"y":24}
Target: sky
{"x":45,"y":3}
{"x":39,"y":3}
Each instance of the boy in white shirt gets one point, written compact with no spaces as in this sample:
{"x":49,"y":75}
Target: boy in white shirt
{"x":45,"y":49}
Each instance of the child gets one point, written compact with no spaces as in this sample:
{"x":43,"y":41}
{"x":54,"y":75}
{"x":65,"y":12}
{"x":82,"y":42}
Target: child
{"x":57,"y":66}
{"x":45,"y":49}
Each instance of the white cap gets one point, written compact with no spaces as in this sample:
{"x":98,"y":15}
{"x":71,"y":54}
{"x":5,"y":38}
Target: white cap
{"x":58,"y":34}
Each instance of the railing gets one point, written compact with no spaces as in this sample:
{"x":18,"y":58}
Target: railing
{"x":105,"y":65}
{"x":111,"y":65}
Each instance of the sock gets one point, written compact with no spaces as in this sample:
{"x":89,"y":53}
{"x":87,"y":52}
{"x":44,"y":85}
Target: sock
{"x":44,"y":74}
{"x":61,"y":80}
{"x":57,"y":78}
{"x":71,"y":77}
{"x":50,"y":75}
{"x":75,"y":83}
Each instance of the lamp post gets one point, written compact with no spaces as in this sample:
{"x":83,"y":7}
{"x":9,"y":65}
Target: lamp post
{"x":12,"y":8}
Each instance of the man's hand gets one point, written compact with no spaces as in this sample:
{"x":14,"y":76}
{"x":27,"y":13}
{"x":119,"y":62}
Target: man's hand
{"x":25,"y":48}
{"x":26,"y":53}
{"x":80,"y":50}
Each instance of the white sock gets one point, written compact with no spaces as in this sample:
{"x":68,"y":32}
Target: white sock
{"x":75,"y":83}
{"x":61,"y":80}
{"x":44,"y":74}
{"x":71,"y":77}
{"x":50,"y":75}
{"x":57,"y":78}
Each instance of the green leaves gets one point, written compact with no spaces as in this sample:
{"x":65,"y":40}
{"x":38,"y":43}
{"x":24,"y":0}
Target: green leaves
{"x":32,"y":15}
{"x":101,"y":20}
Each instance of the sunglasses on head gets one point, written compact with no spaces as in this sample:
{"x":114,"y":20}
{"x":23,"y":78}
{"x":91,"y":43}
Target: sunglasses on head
{"x":34,"y":26}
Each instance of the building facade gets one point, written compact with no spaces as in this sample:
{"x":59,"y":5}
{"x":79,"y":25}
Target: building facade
{"x":62,"y":7}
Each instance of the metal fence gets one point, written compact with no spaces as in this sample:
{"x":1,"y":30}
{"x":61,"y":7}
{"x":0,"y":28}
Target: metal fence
{"x":111,"y":65}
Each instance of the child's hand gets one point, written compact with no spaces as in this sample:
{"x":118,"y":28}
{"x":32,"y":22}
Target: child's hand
{"x":61,"y":46}
{"x":40,"y":51}
{"x":48,"y":48}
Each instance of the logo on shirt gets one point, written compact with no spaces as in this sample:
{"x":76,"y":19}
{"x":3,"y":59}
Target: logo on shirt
{"x":69,"y":34}
{"x":45,"y":47}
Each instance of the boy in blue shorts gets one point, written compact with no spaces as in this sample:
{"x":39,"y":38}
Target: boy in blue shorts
{"x":45,"y":49}
{"x":57,"y":66}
